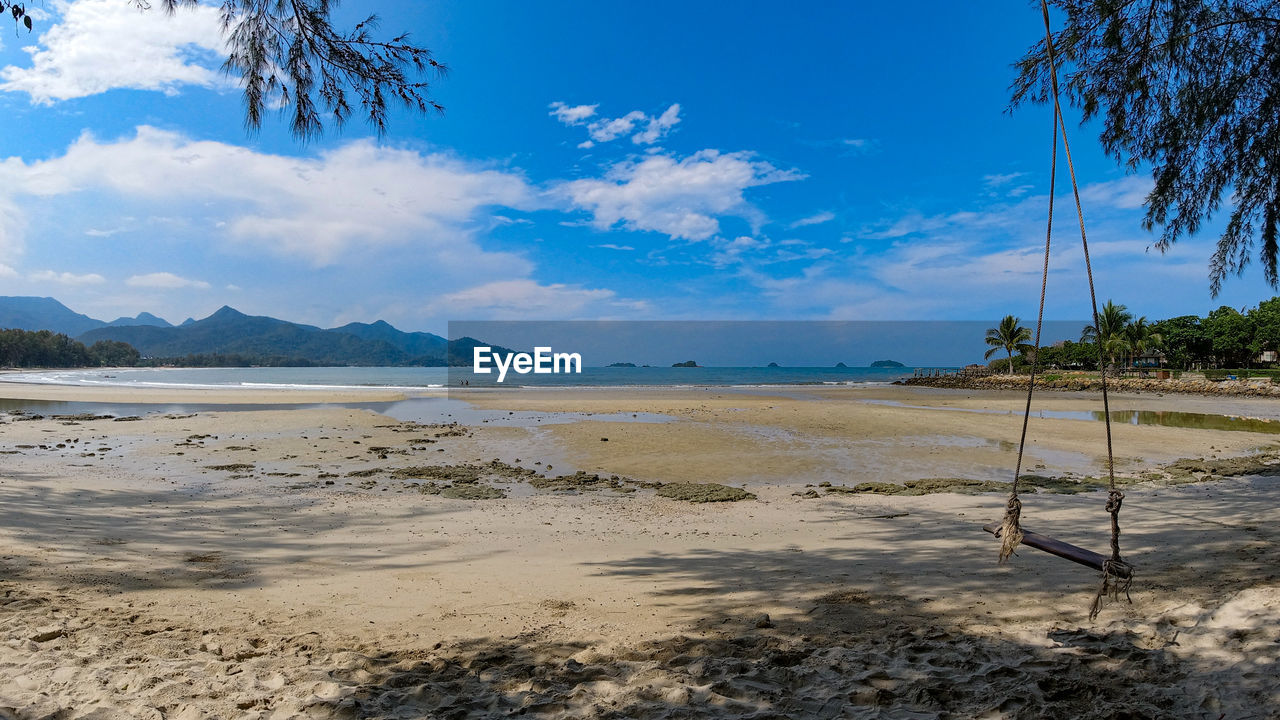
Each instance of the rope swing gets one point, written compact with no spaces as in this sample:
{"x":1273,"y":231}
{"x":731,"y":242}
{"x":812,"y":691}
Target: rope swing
{"x":1116,"y":573}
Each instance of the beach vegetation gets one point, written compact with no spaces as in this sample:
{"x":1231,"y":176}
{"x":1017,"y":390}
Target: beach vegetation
{"x":1140,"y":338}
{"x":221,"y":360}
{"x":113,"y":353}
{"x":47,"y":349}
{"x":1009,"y":336}
{"x":1230,"y":334}
{"x":1187,"y":88}
{"x":1109,"y":330}
{"x":1226,"y":338}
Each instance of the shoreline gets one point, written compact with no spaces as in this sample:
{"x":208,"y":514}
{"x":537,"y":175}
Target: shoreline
{"x":230,"y":395}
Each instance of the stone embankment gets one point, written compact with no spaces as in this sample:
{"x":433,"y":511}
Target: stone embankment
{"x":1239,"y":388}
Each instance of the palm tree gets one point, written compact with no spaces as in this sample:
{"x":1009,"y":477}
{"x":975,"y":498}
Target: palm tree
{"x":1009,"y":336}
{"x":1139,"y":337}
{"x":1135,"y":338}
{"x":1109,"y":334}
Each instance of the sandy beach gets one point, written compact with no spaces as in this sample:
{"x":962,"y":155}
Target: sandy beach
{"x":313,"y":560}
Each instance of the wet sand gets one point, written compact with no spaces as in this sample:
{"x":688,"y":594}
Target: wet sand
{"x":140,"y":581}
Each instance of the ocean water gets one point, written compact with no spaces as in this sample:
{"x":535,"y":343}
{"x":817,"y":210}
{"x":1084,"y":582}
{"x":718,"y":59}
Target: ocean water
{"x":416,"y":378}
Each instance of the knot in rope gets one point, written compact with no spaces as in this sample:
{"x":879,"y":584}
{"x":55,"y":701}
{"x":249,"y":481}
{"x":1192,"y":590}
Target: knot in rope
{"x":1010,"y":532}
{"x":1114,"y":499}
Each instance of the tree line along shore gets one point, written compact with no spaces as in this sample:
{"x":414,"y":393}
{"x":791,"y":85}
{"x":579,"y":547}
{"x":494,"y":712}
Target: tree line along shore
{"x":47,"y":349}
{"x":1226,"y":338}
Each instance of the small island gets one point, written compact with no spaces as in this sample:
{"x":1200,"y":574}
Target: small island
{"x":841,"y":365}
{"x":686,"y":363}
{"x":623,"y":364}
{"x":887,"y":364}
{"x":773,"y":365}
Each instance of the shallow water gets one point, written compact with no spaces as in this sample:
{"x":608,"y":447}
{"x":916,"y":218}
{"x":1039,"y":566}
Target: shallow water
{"x":1164,"y":418}
{"x":424,"y":410}
{"x":447,"y":410}
{"x":75,"y":407}
{"x":422,"y":378}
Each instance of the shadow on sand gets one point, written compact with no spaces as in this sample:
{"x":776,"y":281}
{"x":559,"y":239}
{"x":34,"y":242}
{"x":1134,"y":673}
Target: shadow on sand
{"x":861,"y":643}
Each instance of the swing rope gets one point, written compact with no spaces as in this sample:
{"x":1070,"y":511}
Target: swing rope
{"x":1116,"y":573}
{"x":1010,"y":528}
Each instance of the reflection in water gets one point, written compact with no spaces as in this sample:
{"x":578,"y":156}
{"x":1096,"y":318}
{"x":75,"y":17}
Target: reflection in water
{"x":423,"y":410}
{"x":1199,"y":421}
{"x":1165,"y":418}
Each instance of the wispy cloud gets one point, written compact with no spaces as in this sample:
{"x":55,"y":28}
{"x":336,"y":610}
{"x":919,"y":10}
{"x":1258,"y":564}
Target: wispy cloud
{"x":575,"y":115}
{"x":95,"y":232}
{"x":164,"y":281}
{"x":657,"y":127}
{"x":996,"y":180}
{"x":647,"y":129}
{"x":518,"y":299}
{"x":859,"y":146}
{"x":65,"y":278}
{"x":816,"y":219}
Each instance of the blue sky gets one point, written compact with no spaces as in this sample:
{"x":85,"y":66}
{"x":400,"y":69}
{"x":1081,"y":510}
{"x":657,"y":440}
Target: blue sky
{"x":597,"y":160}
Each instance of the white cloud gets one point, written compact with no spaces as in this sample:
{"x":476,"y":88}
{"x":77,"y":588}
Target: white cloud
{"x":816,"y":219}
{"x":65,"y":278}
{"x":648,"y":129}
{"x":658,"y":127}
{"x":95,"y":232}
{"x":358,"y":195}
{"x":100,"y":45}
{"x":511,"y":299}
{"x":574,"y":115}
{"x":1127,"y":193}
{"x":759,"y":251}
{"x":611,"y":246}
{"x":986,"y":262}
{"x":998,"y":183}
{"x":6,"y":271}
{"x":859,"y":146}
{"x":729,"y":252}
{"x":164,"y":281}
{"x":679,"y":197}
{"x":996,"y":180}
{"x":605,"y":130}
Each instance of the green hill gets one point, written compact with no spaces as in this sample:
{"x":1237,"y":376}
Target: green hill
{"x":43,"y":313}
{"x":229,"y":333}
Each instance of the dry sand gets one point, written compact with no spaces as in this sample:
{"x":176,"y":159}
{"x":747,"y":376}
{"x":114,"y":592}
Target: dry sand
{"x":139,"y":582}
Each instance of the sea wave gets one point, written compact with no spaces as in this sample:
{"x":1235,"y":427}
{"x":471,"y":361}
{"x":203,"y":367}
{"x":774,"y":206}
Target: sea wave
{"x":81,"y":379}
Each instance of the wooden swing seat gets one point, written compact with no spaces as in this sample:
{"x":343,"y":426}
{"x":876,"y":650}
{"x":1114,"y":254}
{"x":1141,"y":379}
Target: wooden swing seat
{"x":1066,"y":551}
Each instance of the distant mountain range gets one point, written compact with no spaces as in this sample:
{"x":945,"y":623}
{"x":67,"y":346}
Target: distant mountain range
{"x":229,"y":331}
